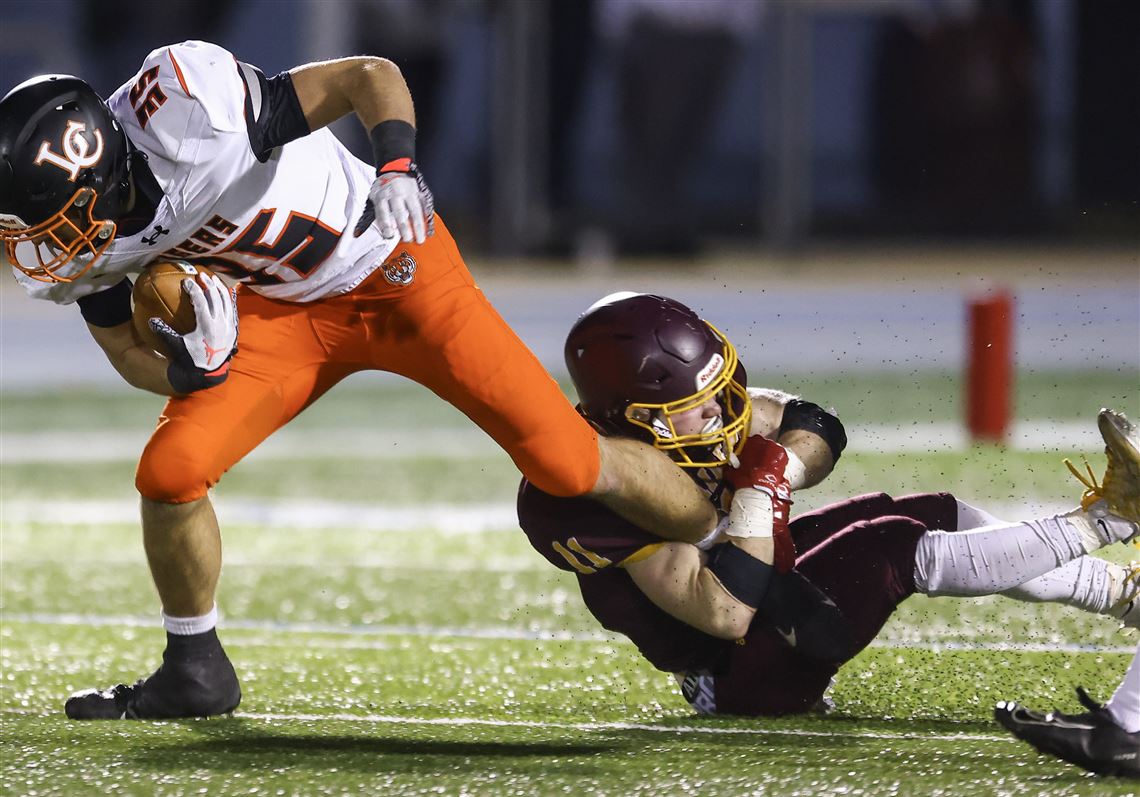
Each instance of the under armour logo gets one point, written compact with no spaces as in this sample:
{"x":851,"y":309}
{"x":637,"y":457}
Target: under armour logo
{"x":153,"y":239}
{"x":76,"y":154}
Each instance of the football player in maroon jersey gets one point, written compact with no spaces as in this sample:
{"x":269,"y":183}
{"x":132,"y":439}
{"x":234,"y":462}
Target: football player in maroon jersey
{"x":757,"y":618}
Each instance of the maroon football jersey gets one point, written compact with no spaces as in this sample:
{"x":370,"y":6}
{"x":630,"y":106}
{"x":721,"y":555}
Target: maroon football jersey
{"x":582,"y":536}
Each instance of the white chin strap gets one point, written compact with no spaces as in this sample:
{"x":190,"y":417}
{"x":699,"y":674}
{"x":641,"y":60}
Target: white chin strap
{"x":713,"y":425}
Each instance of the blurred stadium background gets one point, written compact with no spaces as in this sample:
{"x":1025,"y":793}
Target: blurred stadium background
{"x":866,"y":166}
{"x":831,"y":182}
{"x":780,"y":123}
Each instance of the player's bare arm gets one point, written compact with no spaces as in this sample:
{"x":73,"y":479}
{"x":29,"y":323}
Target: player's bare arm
{"x":675,"y":577}
{"x":720,"y":592}
{"x":399,"y":201}
{"x":372,"y":87}
{"x":196,"y":360}
{"x":138,"y":364}
{"x":750,"y":572}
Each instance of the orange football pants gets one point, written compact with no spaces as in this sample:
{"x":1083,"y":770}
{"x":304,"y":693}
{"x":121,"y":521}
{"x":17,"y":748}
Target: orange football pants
{"x":439,"y":330}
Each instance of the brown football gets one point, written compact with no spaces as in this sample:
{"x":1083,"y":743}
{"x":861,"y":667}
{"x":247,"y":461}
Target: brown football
{"x":158,"y":294}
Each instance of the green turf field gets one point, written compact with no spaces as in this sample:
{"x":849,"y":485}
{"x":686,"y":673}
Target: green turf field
{"x":395,"y":634}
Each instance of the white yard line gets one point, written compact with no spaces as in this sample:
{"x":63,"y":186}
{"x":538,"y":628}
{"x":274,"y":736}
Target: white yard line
{"x":305,"y":514}
{"x":280,"y":514}
{"x":468,"y":443}
{"x":364,"y":632}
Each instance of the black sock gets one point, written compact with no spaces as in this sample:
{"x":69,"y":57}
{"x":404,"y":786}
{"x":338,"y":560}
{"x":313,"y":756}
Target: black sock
{"x":192,"y":646}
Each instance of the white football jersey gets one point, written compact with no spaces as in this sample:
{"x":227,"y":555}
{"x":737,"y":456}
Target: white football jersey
{"x":283,"y":226}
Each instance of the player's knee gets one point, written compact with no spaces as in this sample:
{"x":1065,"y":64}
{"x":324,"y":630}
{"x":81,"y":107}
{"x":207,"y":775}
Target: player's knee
{"x":890,"y":530}
{"x":932,"y":510}
{"x":173,"y":471}
{"x":566,"y":465}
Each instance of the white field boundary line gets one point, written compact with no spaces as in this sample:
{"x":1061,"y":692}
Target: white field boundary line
{"x":605,"y":727}
{"x":504,"y":633}
{"x":590,"y":727}
{"x":464,"y":443}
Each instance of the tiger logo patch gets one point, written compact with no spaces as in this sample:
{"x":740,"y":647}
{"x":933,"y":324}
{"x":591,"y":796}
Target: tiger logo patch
{"x":400,"y":270}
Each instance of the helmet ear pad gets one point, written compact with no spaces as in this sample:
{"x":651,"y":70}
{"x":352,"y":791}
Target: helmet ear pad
{"x":634,"y":357}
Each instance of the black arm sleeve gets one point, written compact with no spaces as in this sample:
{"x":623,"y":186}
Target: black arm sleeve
{"x":108,"y":308}
{"x":273,"y":114}
{"x":742,"y":575}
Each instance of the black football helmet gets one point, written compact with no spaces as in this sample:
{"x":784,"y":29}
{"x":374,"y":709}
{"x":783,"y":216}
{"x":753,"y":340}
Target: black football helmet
{"x":63,"y":177}
{"x":637,"y":360}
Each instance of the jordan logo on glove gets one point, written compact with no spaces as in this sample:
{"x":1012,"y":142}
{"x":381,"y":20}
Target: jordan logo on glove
{"x":211,"y":351}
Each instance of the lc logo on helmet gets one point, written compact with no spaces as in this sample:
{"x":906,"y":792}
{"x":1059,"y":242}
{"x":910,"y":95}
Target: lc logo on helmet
{"x":76,"y":150}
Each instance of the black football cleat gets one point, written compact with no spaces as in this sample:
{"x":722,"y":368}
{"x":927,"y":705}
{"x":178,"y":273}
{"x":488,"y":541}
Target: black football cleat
{"x":197,"y":687}
{"x":1092,"y":741}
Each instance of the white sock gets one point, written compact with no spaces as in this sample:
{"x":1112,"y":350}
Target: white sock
{"x":1124,"y":705}
{"x":1086,"y":583}
{"x":971,"y":517}
{"x":191,"y":625}
{"x":1099,"y":527}
{"x":994,"y":558}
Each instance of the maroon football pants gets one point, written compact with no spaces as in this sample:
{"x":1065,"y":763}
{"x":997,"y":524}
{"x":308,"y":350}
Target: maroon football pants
{"x":861,"y":553}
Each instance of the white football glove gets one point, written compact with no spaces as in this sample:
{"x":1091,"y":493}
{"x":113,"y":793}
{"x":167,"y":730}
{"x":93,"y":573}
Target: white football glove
{"x":201,"y":358}
{"x":400,"y":203}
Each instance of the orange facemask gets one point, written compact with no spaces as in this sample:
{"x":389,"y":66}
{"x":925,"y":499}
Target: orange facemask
{"x":61,"y":248}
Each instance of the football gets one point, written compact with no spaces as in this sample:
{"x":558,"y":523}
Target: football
{"x":158,"y":294}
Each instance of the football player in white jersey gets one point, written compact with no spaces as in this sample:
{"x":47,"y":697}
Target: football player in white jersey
{"x":342,"y":267}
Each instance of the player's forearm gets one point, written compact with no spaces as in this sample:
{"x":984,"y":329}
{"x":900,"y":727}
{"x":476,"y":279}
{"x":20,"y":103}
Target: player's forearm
{"x":676,"y":579}
{"x":371,"y":87}
{"x":811,"y":450}
{"x":717,"y":612}
{"x":138,"y":365}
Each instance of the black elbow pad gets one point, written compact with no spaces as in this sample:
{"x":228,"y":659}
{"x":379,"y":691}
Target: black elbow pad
{"x":813,"y":418}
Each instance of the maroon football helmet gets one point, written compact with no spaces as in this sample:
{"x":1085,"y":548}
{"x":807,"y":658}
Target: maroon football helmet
{"x":638,"y":360}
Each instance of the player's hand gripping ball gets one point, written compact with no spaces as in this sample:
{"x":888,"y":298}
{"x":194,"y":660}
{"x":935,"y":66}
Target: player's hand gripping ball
{"x":158,"y":293}
{"x":187,"y":313}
